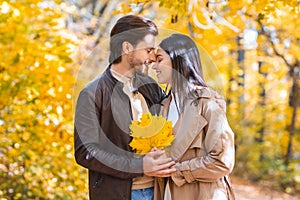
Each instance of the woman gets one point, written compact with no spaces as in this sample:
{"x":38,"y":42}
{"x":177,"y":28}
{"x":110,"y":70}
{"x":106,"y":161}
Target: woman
{"x":203,"y":148}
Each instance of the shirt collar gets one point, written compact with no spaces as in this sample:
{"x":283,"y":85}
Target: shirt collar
{"x":120,"y":77}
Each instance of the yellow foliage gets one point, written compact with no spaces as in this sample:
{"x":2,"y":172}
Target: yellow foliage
{"x":148,"y":126}
{"x":35,"y":106}
{"x":36,"y":82}
{"x":149,"y":132}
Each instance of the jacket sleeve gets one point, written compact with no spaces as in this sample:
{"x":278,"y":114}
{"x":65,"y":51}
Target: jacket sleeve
{"x":93,"y":150}
{"x":218,"y":145}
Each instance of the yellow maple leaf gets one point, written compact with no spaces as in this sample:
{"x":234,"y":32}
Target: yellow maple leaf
{"x":148,"y":125}
{"x":150,"y":131}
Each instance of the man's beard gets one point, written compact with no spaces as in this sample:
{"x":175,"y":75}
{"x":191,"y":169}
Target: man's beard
{"x":138,"y":65}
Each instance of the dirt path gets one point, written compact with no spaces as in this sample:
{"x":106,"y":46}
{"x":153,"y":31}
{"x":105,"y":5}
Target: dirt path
{"x":248,"y":191}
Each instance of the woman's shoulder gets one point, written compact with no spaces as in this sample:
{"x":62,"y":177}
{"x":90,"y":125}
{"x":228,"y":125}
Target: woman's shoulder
{"x":206,"y":92}
{"x":208,"y":97}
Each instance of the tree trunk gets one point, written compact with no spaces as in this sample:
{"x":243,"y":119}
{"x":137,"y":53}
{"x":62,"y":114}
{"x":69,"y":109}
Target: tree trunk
{"x":260,"y":138}
{"x":294,"y":104}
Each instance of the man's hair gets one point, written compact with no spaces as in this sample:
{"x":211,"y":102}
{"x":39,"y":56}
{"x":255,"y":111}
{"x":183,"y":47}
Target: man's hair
{"x":130,"y":28}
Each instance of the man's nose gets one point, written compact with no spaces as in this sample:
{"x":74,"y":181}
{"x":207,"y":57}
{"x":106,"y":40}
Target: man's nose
{"x":152,"y":57}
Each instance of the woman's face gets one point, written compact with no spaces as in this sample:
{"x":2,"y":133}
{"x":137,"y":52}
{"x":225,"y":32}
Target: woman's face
{"x":163,"y":67}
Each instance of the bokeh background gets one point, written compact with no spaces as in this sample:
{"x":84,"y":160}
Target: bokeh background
{"x":51,"y":48}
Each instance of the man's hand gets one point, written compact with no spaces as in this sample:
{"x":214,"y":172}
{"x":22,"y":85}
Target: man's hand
{"x":155,"y":164}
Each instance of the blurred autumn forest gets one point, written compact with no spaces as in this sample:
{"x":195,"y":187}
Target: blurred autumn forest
{"x":45,"y":45}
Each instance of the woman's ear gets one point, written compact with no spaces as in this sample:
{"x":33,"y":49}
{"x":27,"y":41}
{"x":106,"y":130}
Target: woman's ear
{"x":127,"y":47}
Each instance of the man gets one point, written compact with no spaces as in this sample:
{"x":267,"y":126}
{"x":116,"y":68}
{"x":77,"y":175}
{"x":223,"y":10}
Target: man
{"x":105,"y":109}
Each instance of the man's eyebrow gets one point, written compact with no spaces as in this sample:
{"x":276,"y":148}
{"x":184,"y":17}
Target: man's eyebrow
{"x":149,"y":48}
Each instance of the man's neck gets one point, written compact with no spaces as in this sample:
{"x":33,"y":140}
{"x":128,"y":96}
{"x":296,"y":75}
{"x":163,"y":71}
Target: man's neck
{"x":123,"y":69}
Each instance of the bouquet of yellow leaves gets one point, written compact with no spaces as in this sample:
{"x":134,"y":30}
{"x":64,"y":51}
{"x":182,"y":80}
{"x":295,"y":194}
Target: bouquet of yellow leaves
{"x":150,"y":131}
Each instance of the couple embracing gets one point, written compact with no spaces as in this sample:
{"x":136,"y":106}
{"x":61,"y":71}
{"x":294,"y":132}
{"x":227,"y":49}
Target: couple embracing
{"x":201,"y":156}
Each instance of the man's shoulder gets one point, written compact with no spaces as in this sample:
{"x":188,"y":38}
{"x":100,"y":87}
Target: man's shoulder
{"x":92,"y":85}
{"x":100,"y":81}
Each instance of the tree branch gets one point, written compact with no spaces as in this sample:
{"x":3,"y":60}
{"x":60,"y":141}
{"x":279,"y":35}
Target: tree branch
{"x":290,"y":65}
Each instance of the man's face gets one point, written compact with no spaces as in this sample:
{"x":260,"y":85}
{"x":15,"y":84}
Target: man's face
{"x":143,"y":54}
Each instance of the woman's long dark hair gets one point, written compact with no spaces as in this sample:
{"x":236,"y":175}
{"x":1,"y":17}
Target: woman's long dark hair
{"x":186,"y":64}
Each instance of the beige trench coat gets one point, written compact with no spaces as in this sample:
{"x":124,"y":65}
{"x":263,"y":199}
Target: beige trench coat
{"x":203,"y":149}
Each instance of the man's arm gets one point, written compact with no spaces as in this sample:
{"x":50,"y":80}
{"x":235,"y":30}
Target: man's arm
{"x":93,"y":150}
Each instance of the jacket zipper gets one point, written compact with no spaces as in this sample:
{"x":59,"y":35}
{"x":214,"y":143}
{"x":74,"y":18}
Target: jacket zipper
{"x":99,"y":181}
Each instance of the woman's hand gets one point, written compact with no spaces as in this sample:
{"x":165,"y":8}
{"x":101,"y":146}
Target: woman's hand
{"x":157,"y":163}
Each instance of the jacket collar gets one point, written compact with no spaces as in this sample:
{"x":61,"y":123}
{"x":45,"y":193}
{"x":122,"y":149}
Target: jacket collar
{"x":187,"y":128}
{"x":107,"y":73}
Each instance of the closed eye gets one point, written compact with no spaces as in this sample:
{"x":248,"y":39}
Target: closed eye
{"x":149,"y":50}
{"x":159,"y":58}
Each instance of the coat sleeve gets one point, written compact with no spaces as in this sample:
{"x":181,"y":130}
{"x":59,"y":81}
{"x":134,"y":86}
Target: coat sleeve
{"x":93,"y":150}
{"x":218,"y":145}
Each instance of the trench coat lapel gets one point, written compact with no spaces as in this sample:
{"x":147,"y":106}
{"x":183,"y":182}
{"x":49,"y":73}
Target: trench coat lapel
{"x":187,"y":128}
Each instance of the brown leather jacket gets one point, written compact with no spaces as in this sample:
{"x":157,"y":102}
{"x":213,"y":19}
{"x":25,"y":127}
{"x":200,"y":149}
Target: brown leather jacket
{"x":101,"y":137}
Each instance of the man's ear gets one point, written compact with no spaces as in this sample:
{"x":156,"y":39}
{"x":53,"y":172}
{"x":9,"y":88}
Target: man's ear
{"x":127,"y":47}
